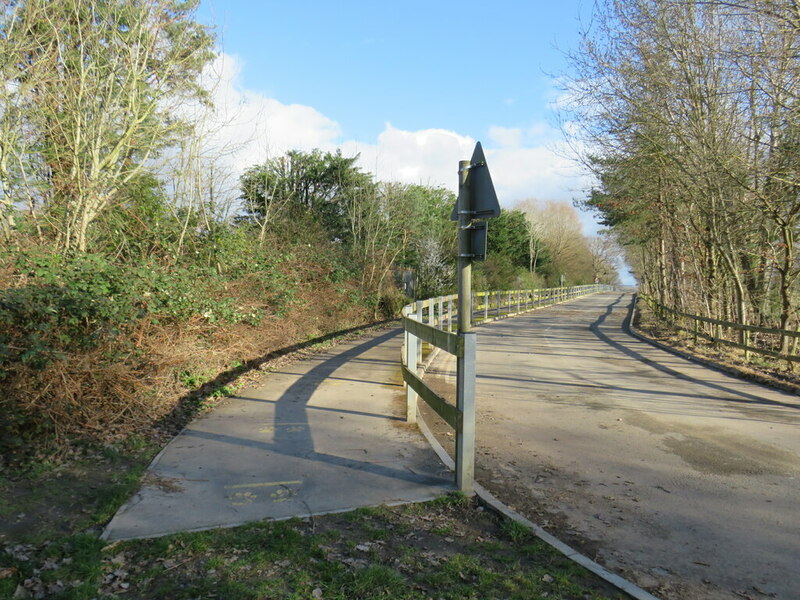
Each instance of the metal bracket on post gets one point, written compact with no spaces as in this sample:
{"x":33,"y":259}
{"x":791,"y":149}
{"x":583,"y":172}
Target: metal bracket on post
{"x":465,"y":402}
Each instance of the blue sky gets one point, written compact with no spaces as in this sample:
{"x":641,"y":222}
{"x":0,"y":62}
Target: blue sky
{"x":460,"y":66}
{"x":410,"y":86}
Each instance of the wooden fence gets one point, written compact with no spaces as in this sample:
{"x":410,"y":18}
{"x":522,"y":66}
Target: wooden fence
{"x":433,"y":321}
{"x":748,"y":338}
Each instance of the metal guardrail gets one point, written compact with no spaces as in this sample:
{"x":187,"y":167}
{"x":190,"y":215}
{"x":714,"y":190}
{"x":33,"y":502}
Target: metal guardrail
{"x":757,"y":344}
{"x":433,"y":321}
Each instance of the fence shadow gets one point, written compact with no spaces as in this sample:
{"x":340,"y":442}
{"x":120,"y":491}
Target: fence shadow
{"x":189,"y":404}
{"x":745,"y":397}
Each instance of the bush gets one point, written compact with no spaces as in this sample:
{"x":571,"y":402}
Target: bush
{"x":93,"y":345}
{"x":496,"y":273}
{"x":93,"y":348}
{"x":391,"y":302}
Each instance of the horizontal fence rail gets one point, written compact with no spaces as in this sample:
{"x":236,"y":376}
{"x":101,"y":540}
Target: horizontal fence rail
{"x":433,"y":321}
{"x":749,"y":338}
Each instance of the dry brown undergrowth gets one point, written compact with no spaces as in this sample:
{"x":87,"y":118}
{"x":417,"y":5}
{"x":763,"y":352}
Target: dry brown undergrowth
{"x":148,"y":392}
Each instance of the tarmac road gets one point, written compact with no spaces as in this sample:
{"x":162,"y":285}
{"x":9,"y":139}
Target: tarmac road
{"x":674,"y":475}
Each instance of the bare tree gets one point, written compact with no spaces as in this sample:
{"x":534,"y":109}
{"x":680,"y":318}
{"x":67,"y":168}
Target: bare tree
{"x":435,"y":273}
{"x":16,"y":93}
{"x":605,"y":255}
{"x":687,"y":112}
{"x":101,"y":83}
{"x":531,"y":209}
{"x":555,"y":227}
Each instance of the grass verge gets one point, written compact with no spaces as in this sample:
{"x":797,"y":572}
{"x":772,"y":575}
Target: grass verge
{"x":449,"y":548}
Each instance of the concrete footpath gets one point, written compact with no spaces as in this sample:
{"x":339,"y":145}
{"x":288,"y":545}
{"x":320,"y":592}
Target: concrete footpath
{"x":321,"y":435}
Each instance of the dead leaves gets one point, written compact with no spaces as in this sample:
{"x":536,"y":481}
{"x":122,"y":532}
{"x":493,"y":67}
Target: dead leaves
{"x":36,"y":585}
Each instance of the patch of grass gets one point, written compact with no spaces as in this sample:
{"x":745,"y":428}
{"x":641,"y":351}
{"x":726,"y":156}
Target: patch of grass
{"x":377,"y":533}
{"x":331,"y":535}
{"x":377,"y":581}
{"x":365,"y":513}
{"x":457,"y":499}
{"x":109,"y":498}
{"x":372,"y":553}
{"x":443,"y":530}
{"x":516,"y":532}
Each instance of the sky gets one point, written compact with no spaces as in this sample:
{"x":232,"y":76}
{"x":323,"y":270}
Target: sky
{"x":410,"y":86}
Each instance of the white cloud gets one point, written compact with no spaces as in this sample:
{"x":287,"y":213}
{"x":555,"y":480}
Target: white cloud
{"x":537,"y":171}
{"x":542,"y":130}
{"x":427,"y":156}
{"x":250,"y":127}
{"x":253,"y":127}
{"x":506,"y":137}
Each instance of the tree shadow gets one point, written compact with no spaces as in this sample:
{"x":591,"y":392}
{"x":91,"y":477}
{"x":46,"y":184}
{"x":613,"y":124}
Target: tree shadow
{"x":744,"y":397}
{"x":190,"y":404}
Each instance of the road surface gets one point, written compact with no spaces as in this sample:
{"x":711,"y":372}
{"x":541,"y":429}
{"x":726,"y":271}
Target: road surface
{"x":676,"y":476}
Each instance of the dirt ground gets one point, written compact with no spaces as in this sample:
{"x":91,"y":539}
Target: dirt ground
{"x":677,"y":477}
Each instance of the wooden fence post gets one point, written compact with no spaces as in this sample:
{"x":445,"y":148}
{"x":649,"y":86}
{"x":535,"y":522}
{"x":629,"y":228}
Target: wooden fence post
{"x":745,"y":341}
{"x":411,"y":365}
{"x":450,"y":313}
{"x":419,"y":318}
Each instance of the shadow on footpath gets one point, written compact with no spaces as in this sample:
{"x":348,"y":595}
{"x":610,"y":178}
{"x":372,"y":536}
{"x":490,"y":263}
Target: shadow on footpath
{"x":188,"y":405}
{"x":292,"y":433}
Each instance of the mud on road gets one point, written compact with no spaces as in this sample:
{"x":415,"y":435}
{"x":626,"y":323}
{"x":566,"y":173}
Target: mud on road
{"x":677,"y":477}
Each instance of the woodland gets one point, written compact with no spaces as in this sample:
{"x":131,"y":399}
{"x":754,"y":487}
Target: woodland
{"x":687,"y":113}
{"x":135,"y":268}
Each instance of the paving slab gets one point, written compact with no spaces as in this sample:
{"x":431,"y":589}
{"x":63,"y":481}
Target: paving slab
{"x":321,"y":435}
